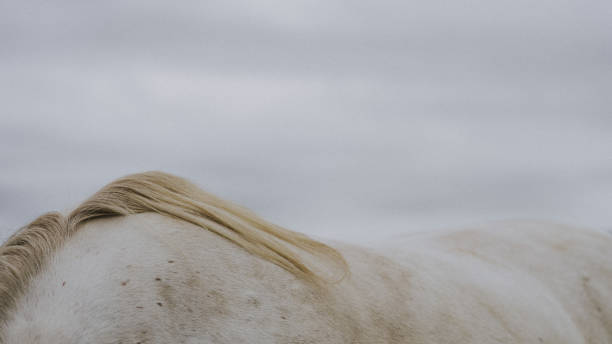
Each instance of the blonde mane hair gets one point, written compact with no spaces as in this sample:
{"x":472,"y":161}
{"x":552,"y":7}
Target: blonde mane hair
{"x":25,"y":253}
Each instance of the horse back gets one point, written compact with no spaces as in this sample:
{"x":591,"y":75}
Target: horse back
{"x":515,"y":282}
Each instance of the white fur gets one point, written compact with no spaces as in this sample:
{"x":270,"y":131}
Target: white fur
{"x":149,"y":279}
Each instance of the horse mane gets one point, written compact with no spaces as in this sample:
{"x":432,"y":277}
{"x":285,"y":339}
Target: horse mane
{"x":24,"y":254}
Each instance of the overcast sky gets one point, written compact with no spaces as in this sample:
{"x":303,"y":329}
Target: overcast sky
{"x":344,"y":119}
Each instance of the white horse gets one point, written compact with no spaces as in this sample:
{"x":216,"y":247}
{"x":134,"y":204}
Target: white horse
{"x":150,"y":258}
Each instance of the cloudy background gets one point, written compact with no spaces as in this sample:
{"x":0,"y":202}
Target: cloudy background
{"x":344,"y":119}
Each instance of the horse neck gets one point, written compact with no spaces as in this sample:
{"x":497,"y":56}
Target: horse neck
{"x":151,"y":279}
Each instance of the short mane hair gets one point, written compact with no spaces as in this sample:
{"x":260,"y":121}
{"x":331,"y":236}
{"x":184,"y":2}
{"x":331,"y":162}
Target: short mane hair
{"x":25,"y":253}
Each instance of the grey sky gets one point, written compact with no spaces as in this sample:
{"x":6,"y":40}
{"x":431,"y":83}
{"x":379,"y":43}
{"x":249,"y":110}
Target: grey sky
{"x":340,"y":119}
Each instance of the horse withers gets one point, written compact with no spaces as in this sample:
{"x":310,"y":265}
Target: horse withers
{"x":151,"y":258}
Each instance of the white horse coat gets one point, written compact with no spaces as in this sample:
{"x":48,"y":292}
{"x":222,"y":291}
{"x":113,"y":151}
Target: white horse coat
{"x":150,"y":278}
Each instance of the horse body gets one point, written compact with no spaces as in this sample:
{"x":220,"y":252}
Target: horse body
{"x":512,"y":282}
{"x":149,"y":278}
